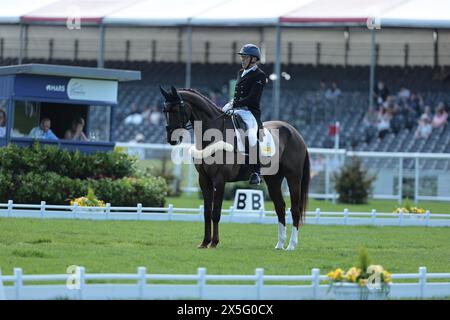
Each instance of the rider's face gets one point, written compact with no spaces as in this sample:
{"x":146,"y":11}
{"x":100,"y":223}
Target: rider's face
{"x":245,"y":60}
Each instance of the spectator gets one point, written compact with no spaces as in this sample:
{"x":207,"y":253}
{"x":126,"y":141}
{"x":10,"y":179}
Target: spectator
{"x":155,"y":116}
{"x":380,"y":93}
{"x":370,"y":122}
{"x":427,"y":112}
{"x":76,"y":130}
{"x":43,"y":131}
{"x":334,"y":92}
{"x":404,"y":94}
{"x":398,"y":119}
{"x":134,"y":117}
{"x":424,"y":129}
{"x":2,"y":123}
{"x":440,"y":117}
{"x":384,"y":122}
{"x":322,"y":90}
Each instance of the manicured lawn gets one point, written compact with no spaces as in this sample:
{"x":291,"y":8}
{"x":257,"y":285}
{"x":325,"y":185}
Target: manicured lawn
{"x":50,"y":246}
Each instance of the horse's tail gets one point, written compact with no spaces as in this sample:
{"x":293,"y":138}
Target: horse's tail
{"x":304,"y":188}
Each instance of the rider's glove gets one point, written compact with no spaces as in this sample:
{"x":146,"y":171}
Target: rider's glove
{"x":230,"y":112}
{"x":228,"y":106}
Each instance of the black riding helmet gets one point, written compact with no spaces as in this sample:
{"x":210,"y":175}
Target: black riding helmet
{"x":250,"y":50}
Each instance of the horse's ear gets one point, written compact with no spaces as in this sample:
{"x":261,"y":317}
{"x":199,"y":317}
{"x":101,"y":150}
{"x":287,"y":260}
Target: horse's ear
{"x":175,"y":92}
{"x":164,"y":93}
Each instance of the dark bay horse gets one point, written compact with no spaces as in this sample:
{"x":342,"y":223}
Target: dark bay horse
{"x":185,"y":107}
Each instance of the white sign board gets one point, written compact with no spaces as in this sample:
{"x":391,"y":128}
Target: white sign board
{"x":248,"y":199}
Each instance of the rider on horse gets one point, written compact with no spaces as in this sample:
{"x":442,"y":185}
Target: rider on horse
{"x":247,"y":95}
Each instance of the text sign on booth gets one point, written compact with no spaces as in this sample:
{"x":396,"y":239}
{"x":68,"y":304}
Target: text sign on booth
{"x":248,"y":199}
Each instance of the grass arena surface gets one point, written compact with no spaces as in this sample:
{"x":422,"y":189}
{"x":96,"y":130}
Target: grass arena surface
{"x":50,"y":246}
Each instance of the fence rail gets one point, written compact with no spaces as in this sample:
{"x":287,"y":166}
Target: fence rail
{"x":171,"y":213}
{"x":141,"y":285}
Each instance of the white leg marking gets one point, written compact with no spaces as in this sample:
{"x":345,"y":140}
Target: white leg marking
{"x":294,"y":239}
{"x":281,"y":236}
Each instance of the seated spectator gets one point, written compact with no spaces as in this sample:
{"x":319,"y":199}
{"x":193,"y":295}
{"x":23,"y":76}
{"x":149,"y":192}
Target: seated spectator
{"x":384,"y":122}
{"x":2,"y":123}
{"x":424,"y":129}
{"x":76,"y":131}
{"x":427,"y":112}
{"x":155,"y":117}
{"x":415,"y":103}
{"x":404,"y":94}
{"x":334,"y":92}
{"x":380,"y":93}
{"x":43,"y":131}
{"x":440,"y":117}
{"x":398,"y":119}
{"x":134,"y":117}
{"x":370,"y":122}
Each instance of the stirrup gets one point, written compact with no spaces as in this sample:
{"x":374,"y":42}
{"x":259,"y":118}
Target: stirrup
{"x":255,"y":179}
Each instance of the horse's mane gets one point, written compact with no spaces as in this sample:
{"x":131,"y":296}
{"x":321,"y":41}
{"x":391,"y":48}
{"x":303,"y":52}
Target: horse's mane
{"x":208,"y":100}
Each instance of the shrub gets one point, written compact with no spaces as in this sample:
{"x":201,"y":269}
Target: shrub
{"x":353,"y":184}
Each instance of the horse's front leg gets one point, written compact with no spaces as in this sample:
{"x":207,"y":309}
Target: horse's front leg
{"x":207,"y":191}
{"x":219,"y":189}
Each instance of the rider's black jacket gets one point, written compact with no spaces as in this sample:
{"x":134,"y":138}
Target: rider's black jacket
{"x":248,"y":91}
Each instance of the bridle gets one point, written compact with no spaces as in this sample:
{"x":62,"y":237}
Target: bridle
{"x":184,"y":122}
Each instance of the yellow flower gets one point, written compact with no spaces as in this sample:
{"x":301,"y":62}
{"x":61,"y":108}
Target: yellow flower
{"x":352,"y":274}
{"x":339,"y":274}
{"x":387,"y":277}
{"x":330,"y":275}
{"x":363,"y":282}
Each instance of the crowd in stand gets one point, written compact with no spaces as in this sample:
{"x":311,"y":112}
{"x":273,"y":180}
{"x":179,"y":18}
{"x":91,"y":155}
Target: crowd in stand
{"x":392,"y":113}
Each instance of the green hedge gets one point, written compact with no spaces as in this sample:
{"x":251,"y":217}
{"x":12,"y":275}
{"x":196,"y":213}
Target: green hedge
{"x":32,"y":175}
{"x":114,"y":164}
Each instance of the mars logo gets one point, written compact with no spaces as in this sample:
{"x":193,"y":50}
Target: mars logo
{"x":76,"y":88}
{"x":55,"y":88}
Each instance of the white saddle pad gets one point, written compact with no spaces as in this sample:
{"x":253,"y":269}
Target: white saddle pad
{"x":266,"y":146}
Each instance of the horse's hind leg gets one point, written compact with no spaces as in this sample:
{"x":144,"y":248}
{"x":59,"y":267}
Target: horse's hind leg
{"x":294,"y":190}
{"x":207,"y":190}
{"x":274,"y":188}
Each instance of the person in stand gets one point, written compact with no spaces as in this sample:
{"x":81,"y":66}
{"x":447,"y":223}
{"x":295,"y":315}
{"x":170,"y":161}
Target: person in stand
{"x":247,"y":95}
{"x":43,"y":131}
{"x":76,"y":131}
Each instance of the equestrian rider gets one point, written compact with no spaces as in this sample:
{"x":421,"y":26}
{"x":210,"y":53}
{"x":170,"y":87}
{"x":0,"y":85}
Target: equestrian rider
{"x":247,"y":94}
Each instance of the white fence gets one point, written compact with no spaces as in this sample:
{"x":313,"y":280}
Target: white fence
{"x":141,"y":285}
{"x":170,"y":213}
{"x":389,"y":183}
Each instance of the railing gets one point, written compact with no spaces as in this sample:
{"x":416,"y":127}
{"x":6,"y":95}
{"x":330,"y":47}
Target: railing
{"x":171,"y":213}
{"x":333,"y":157}
{"x":80,"y":285}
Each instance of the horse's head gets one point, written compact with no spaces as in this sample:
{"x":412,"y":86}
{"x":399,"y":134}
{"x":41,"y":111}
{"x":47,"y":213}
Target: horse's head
{"x":176,"y":113}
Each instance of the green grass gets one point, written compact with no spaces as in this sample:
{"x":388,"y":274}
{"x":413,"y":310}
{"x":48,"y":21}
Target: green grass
{"x":380,"y":205}
{"x":50,"y":246}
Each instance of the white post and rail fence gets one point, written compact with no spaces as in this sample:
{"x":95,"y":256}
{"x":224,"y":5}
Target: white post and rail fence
{"x":201,"y":285}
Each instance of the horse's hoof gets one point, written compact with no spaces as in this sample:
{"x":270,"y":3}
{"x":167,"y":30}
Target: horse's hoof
{"x":279,"y":246}
{"x":203,"y":245}
{"x":290,"y":248}
{"x":214,"y":245}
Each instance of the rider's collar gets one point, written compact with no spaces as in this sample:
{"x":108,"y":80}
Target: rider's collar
{"x":248,"y":70}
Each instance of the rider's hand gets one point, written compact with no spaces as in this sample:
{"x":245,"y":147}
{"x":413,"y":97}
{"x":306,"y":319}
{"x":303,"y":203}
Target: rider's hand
{"x":230,"y":112}
{"x":228,"y":106}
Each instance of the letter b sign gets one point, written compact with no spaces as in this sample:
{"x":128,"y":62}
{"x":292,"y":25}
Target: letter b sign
{"x":248,"y":199}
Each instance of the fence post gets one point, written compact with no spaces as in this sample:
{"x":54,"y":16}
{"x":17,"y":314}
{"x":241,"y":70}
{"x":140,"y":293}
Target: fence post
{"x":18,"y":282}
{"x":345,"y":216}
{"x":427,"y":217}
{"x":139,"y":211}
{"x":200,"y":212}
{"x":231,"y":213}
{"x":400,"y":181}
{"x":82,"y":282}
{"x":42,"y":209}
{"x":422,"y":280}
{"x":142,"y":272}
{"x":2,"y":289}
{"x":201,"y":272}
{"x":374,"y":215}
{"x":400,"y":219}
{"x":170,"y":212}
{"x":108,"y":210}
{"x":317,"y":215}
{"x":259,"y":273}
{"x":10,"y":208}
{"x":315,"y":282}
{"x":261,"y":215}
